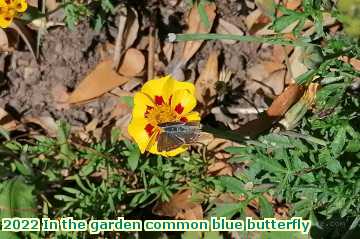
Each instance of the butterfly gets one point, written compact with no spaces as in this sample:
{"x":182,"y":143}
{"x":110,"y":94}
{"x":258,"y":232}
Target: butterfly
{"x":175,"y":134}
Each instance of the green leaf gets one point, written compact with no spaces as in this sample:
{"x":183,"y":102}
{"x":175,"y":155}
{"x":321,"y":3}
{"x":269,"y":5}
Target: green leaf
{"x":202,"y":12}
{"x":305,"y":77}
{"x":236,"y":150}
{"x":212,"y":235}
{"x":4,"y":133}
{"x":272,"y":165}
{"x":232,"y":184}
{"x":333,"y":165}
{"x":284,"y":21}
{"x":191,"y":235}
{"x":8,"y":235}
{"x":16,"y":199}
{"x":227,"y":209}
{"x":128,"y":100}
{"x":31,"y":14}
{"x":266,"y":209}
{"x":133,"y":159}
{"x":339,"y":141}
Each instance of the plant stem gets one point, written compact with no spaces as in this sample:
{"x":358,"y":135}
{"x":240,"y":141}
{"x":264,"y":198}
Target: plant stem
{"x":276,"y":40}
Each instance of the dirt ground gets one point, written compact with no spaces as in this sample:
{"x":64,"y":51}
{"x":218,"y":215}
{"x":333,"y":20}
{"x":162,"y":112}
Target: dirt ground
{"x":66,"y":57}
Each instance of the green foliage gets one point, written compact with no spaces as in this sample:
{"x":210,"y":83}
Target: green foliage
{"x":96,"y":11}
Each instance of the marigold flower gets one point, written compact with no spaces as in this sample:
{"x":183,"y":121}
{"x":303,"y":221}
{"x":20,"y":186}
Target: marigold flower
{"x":160,"y":101}
{"x":9,"y":9}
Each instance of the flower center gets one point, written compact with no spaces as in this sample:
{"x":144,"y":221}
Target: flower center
{"x":160,"y":114}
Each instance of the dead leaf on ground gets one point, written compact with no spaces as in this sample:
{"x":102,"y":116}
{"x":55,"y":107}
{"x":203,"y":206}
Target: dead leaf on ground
{"x":180,"y":206}
{"x":296,"y":65}
{"x":256,"y":20}
{"x":280,"y":53}
{"x":196,"y":26}
{"x":131,"y":28}
{"x":168,"y":50}
{"x":7,"y":122}
{"x":51,"y":4}
{"x":205,"y":84}
{"x":127,"y":33}
{"x":352,"y":61}
{"x":33,"y":3}
{"x":268,"y":76}
{"x":101,"y":80}
{"x":284,"y":101}
{"x":4,"y":42}
{"x":45,"y":122}
{"x":220,"y":168}
{"x":225,"y":27}
{"x":133,"y":63}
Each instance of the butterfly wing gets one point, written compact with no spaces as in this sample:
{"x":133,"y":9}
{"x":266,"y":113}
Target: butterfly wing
{"x":167,"y":142}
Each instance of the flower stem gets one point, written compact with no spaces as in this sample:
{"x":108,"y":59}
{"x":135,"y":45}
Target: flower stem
{"x":276,"y":40}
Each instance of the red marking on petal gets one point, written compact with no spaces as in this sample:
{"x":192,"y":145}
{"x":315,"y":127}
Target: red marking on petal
{"x":148,"y":109}
{"x":183,"y":119}
{"x":179,"y":108}
{"x":159,"y":100}
{"x":149,"y":129}
{"x":170,"y":98}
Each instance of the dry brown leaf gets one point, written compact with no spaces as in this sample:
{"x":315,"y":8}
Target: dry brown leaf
{"x":293,"y":4}
{"x":268,"y":76}
{"x":132,"y":28}
{"x":101,"y":80}
{"x":127,"y":33}
{"x":133,"y":63}
{"x":196,"y":26}
{"x":7,"y":122}
{"x":220,"y":168}
{"x":180,"y":206}
{"x":353,"y":61}
{"x":296,"y":65}
{"x":168,"y":50}
{"x":45,"y":122}
{"x":251,"y":19}
{"x":225,"y":27}
{"x":33,"y":3}
{"x":51,"y":5}
{"x":280,"y":53}
{"x":4,"y":42}
{"x":205,"y":84}
{"x":284,"y":101}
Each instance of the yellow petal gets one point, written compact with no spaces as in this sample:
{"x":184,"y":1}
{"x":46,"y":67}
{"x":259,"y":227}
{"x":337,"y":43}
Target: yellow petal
{"x":183,"y":102}
{"x":5,"y":20}
{"x":20,"y":5}
{"x":4,"y":4}
{"x":136,"y":130}
{"x":165,"y":87}
{"x":141,"y":103}
{"x":171,"y":153}
{"x":192,"y":116}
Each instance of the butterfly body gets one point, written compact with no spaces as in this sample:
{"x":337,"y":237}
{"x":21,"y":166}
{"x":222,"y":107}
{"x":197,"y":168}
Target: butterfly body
{"x":176,"y":134}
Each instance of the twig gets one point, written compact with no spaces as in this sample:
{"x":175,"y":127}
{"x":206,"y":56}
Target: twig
{"x":118,"y":44}
{"x":151,"y":53}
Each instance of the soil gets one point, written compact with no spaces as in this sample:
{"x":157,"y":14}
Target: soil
{"x":66,"y":57}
